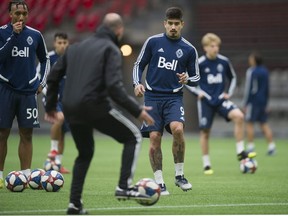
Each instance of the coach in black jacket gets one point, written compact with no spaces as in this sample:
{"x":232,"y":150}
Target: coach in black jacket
{"x":93,"y":70}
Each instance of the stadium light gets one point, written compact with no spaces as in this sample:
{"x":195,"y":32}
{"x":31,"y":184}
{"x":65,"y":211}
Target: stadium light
{"x":126,"y":50}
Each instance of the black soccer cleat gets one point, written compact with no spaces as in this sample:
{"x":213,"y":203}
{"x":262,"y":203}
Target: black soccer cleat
{"x":245,"y":154}
{"x":130,"y":193}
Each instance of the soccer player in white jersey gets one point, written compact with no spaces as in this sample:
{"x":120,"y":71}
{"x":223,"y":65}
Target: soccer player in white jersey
{"x":172,"y":62}
{"x":217,"y":84}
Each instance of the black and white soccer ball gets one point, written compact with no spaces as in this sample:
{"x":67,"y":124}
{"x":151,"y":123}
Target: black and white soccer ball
{"x":34,"y":180}
{"x":248,"y":165}
{"x":16,"y":181}
{"x":150,"y":188}
{"x":52,"y":181}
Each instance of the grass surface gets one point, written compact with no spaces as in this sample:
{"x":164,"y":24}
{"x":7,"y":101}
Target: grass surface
{"x":226,"y":192}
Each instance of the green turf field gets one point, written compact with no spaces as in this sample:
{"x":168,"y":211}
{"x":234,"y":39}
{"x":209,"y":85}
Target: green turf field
{"x":226,"y":192}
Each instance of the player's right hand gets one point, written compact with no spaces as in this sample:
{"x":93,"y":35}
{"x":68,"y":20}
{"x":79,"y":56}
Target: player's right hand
{"x":17,"y":27}
{"x":144,"y":116}
{"x":139,"y":90}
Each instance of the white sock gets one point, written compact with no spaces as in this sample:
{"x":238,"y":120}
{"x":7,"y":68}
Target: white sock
{"x":59,"y":157}
{"x":271,"y":146}
{"x":26,"y":172}
{"x":158,"y":177}
{"x":250,"y":146}
{"x":1,"y":174}
{"x":240,"y":146}
{"x":54,"y":145}
{"x":179,"y":169}
{"x":206,"y":160}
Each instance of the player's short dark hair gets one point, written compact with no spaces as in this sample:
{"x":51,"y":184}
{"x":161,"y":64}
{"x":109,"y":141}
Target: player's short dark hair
{"x":17,"y":2}
{"x":61,"y":35}
{"x":174,"y":13}
{"x":257,"y":57}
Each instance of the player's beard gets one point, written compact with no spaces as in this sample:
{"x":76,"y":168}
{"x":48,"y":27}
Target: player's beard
{"x":173,"y":35}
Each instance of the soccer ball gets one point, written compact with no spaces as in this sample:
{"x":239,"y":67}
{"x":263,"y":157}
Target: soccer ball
{"x":150,"y":188}
{"x":34,"y":179}
{"x":248,"y":165}
{"x":51,"y":165}
{"x":16,"y":181}
{"x":52,"y":181}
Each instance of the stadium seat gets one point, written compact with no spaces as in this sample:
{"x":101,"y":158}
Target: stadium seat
{"x":93,"y":21}
{"x":59,"y":14}
{"x":73,"y":7}
{"x":41,"y":21}
{"x":88,"y":3}
{"x":80,"y":22}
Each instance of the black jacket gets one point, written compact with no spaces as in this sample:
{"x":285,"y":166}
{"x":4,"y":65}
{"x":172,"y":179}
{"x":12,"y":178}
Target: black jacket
{"x":93,"y":70}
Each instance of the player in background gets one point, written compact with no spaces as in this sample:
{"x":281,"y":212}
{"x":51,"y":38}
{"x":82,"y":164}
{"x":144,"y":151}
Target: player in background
{"x":59,"y":128}
{"x":172,"y":62}
{"x":217,"y":84}
{"x":20,"y":46}
{"x":255,"y":101}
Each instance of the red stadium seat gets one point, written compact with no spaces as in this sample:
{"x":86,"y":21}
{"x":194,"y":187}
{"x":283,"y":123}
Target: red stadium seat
{"x":74,"y":5}
{"x":80,"y":22}
{"x":59,"y":14}
{"x":88,"y":3}
{"x":41,"y":21}
{"x":93,"y":21}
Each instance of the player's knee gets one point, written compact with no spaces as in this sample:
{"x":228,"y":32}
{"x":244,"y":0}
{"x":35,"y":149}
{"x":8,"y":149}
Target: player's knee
{"x":237,"y":116}
{"x":177,"y":131}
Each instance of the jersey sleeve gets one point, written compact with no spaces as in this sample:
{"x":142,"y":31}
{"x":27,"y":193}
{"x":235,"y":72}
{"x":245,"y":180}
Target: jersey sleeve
{"x":58,"y":71}
{"x":193,"y":68}
{"x":231,"y":75}
{"x":141,"y":62}
{"x":6,"y":46}
{"x":44,"y":60}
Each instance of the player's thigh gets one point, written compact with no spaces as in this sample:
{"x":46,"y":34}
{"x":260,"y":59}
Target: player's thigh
{"x":173,"y":112}
{"x":27,"y":111}
{"x":7,"y":107}
{"x":206,"y":114}
{"x":116,"y":125}
{"x":229,"y":111}
{"x":156,"y":114}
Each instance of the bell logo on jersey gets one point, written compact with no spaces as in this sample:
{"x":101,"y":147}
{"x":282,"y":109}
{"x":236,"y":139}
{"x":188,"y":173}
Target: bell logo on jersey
{"x":168,"y":65}
{"x":21,"y":53}
{"x":214,"y":79}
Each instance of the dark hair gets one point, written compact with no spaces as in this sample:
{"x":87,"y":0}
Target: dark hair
{"x":17,"y":2}
{"x":61,"y":35}
{"x":257,"y":57}
{"x":174,"y":13}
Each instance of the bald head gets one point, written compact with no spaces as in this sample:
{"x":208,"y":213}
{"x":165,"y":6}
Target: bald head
{"x":114,"y":22}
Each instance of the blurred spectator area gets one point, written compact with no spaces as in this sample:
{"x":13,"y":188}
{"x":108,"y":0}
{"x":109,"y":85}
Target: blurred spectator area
{"x":243,"y":25}
{"x":84,"y":14}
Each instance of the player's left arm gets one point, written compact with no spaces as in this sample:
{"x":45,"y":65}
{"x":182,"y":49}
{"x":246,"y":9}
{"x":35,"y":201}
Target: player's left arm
{"x":58,"y":71}
{"x":232,"y":79}
{"x":193,"y":68}
{"x":44,"y":61}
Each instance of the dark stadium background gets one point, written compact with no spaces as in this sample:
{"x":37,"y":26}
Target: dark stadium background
{"x":243,"y":25}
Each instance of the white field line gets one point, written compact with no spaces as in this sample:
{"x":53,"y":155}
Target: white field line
{"x":144,"y":207}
